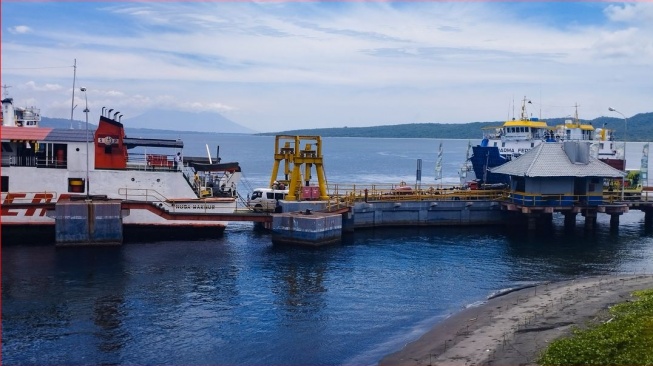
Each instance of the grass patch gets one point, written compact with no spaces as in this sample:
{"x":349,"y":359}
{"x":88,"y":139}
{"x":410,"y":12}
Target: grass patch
{"x":625,"y":340}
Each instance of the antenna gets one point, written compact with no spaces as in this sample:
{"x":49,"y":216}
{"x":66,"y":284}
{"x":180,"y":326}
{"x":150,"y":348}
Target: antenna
{"x":540,"y":103}
{"x":72,"y":102}
{"x":513,"y":107}
{"x":5,"y":87}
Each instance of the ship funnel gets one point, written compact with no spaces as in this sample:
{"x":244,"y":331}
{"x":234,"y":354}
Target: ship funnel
{"x":8,"y":113}
{"x":109,"y":113}
{"x":115,"y":115}
{"x":103,"y":108}
{"x":120,"y":118}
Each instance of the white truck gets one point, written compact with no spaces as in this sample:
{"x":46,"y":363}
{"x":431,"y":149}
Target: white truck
{"x":265,"y":199}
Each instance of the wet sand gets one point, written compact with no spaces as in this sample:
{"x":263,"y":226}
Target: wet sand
{"x":514,"y":328}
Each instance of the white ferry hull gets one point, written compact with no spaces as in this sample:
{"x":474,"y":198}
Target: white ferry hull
{"x":44,"y":166}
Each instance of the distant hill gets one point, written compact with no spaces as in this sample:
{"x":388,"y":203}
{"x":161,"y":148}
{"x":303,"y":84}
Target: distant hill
{"x":76,"y":125}
{"x":640,"y":128}
{"x":64,"y":123}
{"x":185,"y":121}
{"x":162,"y":121}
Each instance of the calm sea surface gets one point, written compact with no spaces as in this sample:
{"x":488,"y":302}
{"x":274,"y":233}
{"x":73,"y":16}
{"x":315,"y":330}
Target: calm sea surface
{"x":238,"y":299}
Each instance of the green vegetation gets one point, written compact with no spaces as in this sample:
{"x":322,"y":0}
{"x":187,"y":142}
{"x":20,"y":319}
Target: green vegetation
{"x":627,"y":339}
{"x":640,"y":128}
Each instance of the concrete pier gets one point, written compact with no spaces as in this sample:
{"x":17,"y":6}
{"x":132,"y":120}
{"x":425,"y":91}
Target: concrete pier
{"x":307,"y":228}
{"x":88,"y":223}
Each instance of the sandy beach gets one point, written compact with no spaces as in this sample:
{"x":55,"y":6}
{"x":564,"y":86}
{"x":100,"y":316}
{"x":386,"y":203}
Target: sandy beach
{"x":513,"y":328}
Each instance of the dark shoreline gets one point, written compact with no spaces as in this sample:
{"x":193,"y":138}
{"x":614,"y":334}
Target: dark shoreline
{"x":513,"y":328}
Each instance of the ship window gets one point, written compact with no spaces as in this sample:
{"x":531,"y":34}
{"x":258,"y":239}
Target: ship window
{"x":5,"y":184}
{"x":6,"y":147}
{"x":503,"y":144}
{"x":51,"y":155}
{"x":532,"y":144}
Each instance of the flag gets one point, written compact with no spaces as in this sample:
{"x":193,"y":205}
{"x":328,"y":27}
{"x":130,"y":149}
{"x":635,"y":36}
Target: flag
{"x":438,"y":164}
{"x":644,"y":167}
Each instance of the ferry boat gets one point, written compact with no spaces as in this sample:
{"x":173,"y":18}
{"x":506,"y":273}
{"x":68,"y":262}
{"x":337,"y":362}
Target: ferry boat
{"x":514,"y":138}
{"x":47,"y":165}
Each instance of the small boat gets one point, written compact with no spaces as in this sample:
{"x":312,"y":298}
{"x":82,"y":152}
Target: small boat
{"x":48,"y":165}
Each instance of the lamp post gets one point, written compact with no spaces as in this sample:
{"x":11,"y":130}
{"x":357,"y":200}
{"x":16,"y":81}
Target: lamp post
{"x":87,"y":163}
{"x":625,"y":139}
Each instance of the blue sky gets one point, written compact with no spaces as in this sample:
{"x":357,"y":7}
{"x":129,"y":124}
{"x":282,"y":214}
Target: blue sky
{"x":273,"y":66}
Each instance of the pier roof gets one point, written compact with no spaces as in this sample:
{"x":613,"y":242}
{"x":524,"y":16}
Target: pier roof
{"x":550,"y":160}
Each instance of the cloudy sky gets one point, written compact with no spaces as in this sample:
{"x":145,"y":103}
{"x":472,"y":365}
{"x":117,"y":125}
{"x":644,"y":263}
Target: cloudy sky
{"x":273,"y":66}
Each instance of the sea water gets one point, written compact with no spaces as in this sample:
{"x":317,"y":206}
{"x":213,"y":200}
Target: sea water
{"x":238,"y":299}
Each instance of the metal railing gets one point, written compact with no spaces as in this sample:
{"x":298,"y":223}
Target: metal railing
{"x":151,"y":162}
{"x":351,"y":193}
{"x":146,"y":195}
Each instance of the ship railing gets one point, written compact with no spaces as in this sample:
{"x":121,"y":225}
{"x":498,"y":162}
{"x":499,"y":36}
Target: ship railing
{"x":351,"y":193}
{"x":146,"y":195}
{"x":51,"y":162}
{"x":25,"y":161}
{"x":150,"y":161}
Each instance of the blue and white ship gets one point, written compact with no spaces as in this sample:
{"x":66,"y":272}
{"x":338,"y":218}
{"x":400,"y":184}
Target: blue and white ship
{"x":515,"y":137}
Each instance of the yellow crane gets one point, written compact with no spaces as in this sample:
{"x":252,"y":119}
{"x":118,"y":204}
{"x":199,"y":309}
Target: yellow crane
{"x":287,"y":149}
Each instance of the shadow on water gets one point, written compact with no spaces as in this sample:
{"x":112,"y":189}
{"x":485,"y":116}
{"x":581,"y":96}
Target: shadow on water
{"x":556,"y":251}
{"x":76,"y":289}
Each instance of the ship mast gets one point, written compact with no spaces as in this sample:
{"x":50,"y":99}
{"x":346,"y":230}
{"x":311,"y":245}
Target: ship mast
{"x":524,"y":115}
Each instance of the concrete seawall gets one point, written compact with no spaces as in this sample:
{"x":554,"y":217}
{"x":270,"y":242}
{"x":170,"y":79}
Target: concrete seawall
{"x":429,"y":213}
{"x":294,"y":226}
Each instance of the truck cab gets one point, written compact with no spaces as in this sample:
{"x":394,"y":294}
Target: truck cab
{"x":265,"y":199}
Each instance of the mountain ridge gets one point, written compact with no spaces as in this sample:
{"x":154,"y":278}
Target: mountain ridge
{"x":639,"y":128}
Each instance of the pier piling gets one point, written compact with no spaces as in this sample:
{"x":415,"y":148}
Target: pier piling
{"x":570,"y":219}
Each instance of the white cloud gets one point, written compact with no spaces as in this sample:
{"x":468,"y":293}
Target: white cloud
{"x":345,"y":63}
{"x":19,"y":29}
{"x":32,"y":85}
{"x":634,"y":12}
